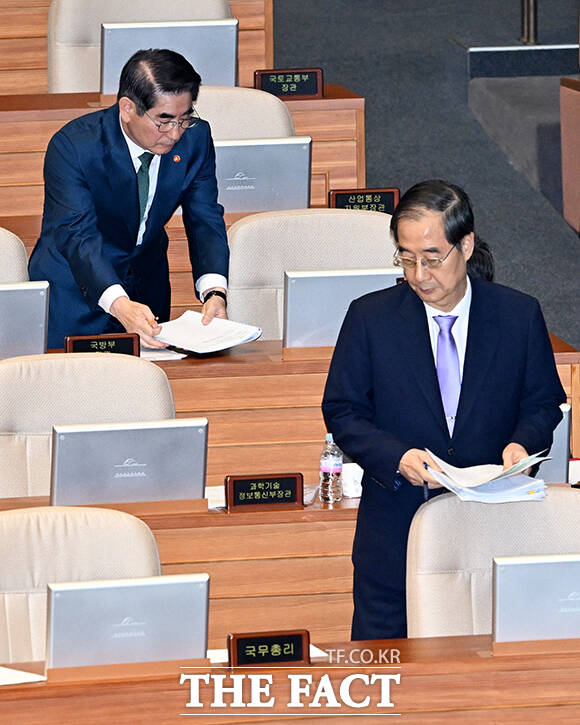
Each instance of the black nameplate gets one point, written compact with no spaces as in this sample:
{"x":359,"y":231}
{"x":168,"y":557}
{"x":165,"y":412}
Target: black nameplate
{"x":383,"y":200}
{"x":277,"y":490}
{"x":126,"y":343}
{"x":299,"y":83}
{"x":271,"y":648}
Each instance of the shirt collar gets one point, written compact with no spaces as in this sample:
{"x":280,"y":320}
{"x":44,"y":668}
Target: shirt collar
{"x":460,"y":309}
{"x":134,"y":149}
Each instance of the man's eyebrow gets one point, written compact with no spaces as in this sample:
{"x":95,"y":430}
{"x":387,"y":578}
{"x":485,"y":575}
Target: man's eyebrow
{"x":172,"y":115}
{"x":429,"y":250}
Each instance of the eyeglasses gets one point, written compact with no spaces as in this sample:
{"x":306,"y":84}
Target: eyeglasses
{"x":429,"y":262}
{"x":183,"y":123}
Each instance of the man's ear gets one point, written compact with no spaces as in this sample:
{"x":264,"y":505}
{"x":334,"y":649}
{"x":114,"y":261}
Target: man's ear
{"x":127,"y":108}
{"x":468,"y":245}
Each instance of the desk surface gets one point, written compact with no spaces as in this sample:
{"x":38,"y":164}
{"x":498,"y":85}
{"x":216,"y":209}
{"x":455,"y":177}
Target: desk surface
{"x":451,"y":679}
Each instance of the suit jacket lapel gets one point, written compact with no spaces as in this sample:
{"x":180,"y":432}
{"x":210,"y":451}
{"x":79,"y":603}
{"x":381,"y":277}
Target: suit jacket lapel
{"x":415,"y":347}
{"x":172,"y":170}
{"x":482,"y":342}
{"x":121,"y":173}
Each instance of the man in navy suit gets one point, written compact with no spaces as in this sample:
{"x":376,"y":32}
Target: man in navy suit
{"x":113,"y":179}
{"x":385,"y":403}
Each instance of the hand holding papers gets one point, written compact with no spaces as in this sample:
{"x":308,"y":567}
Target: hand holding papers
{"x":490,"y":483}
{"x":188,"y":333}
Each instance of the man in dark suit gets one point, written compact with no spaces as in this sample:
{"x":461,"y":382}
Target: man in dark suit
{"x":488,"y":393}
{"x":113,"y":179}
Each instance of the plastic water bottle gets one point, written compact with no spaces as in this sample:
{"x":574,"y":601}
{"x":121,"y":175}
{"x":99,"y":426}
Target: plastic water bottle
{"x":330,"y":472}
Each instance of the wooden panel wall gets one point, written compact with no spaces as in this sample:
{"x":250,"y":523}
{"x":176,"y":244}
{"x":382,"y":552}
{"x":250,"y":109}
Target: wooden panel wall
{"x":570,"y":124}
{"x":23,"y":27}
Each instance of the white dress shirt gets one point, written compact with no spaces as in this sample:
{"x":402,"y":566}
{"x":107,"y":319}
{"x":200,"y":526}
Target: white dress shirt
{"x":205,"y":282}
{"x":459,"y":329}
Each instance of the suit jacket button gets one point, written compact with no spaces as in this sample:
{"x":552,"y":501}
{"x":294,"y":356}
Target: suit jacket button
{"x":451,"y":451}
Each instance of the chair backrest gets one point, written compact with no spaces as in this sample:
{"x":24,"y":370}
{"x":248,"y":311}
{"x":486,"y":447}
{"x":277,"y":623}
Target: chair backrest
{"x":74,"y":33}
{"x":39,"y":391}
{"x":306,"y":239}
{"x":242,"y":113}
{"x":14,"y":267}
{"x":451,"y":547}
{"x":556,"y":470}
{"x":61,"y":544}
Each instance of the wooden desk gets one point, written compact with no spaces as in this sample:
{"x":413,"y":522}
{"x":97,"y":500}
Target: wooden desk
{"x":447,"y":679}
{"x":23,"y":28}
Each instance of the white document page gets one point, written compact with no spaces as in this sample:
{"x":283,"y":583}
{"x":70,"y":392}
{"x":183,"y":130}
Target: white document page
{"x":476,"y":475}
{"x":188,"y":333}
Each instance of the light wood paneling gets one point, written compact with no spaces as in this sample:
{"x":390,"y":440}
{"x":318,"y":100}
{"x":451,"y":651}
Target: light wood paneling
{"x":328,"y":616}
{"x":26,"y":200}
{"x":322,"y":126}
{"x":570,"y":126}
{"x":267,"y":391}
{"x":21,"y":169}
{"x":251,"y":54}
{"x":266,"y":457}
{"x":263,"y":577}
{"x":14,"y":82}
{"x":19,"y":53}
{"x":263,"y":425}
{"x":27,"y":136}
{"x":23,"y":20}
{"x":245,"y":542}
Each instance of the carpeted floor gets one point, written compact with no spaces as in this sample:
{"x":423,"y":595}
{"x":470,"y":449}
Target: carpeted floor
{"x":408,"y":60}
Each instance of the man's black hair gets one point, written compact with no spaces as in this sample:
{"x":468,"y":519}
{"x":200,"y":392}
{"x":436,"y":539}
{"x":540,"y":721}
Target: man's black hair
{"x":149,"y":73}
{"x":451,"y":201}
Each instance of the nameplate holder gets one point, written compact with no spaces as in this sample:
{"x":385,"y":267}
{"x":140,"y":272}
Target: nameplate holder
{"x":382,"y":199}
{"x":264,"y":491}
{"x":257,"y":649}
{"x":537,"y":646}
{"x":125,"y":343}
{"x":292,"y":83}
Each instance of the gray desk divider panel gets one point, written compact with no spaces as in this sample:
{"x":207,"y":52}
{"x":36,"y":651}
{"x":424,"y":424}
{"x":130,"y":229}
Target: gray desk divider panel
{"x":211,"y":46}
{"x":23,"y":318}
{"x":268,"y":174}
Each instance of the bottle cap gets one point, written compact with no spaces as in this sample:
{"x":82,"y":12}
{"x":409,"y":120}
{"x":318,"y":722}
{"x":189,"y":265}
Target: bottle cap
{"x":329,"y":438}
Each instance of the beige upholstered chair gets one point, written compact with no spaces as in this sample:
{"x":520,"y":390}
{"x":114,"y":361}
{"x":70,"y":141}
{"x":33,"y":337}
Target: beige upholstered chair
{"x":307,"y":239}
{"x":242,"y":113}
{"x":74,"y":33}
{"x":451,"y":547}
{"x":39,"y":391}
{"x":14,"y":266}
{"x":61,"y":544}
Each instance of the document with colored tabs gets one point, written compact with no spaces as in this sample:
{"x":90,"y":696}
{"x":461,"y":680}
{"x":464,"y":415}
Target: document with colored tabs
{"x":490,"y":483}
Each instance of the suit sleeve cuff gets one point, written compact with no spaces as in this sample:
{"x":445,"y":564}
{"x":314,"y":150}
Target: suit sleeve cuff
{"x":110,"y":295}
{"x":209,"y":281}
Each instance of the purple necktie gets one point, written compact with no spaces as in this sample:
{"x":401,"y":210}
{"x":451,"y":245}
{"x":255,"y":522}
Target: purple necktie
{"x":448,"y":368}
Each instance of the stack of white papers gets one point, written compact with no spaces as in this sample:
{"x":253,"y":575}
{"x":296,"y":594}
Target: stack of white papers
{"x":188,"y":333}
{"x":490,"y":483}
